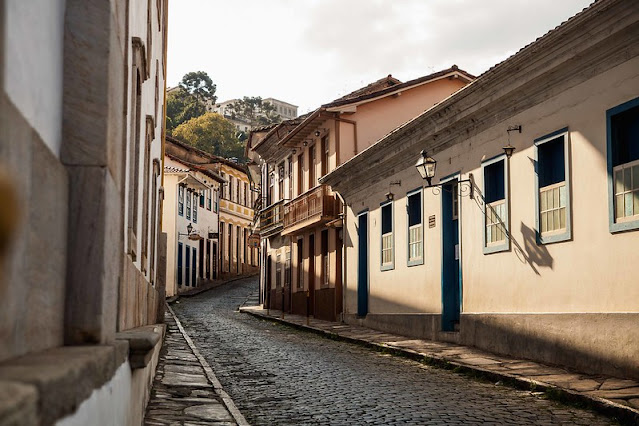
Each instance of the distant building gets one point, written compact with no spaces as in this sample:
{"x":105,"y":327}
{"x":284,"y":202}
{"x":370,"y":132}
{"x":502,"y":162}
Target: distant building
{"x":191,"y":222}
{"x":301,"y":219}
{"x":236,"y":256}
{"x":284,"y":109}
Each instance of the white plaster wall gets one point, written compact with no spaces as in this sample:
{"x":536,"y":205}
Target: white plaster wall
{"x":138,"y":18}
{"x":107,"y":406}
{"x":169,"y":218}
{"x":595,"y":272}
{"x":34,"y":39}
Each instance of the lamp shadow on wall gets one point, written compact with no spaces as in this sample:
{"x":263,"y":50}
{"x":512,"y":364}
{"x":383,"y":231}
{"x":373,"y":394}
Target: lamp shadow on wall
{"x":537,"y":256}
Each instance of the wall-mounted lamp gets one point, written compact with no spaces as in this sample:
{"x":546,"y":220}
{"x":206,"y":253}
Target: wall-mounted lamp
{"x":294,"y":151}
{"x":317,"y":133}
{"x":305,"y":143}
{"x":426,"y":166}
{"x":389,"y":195}
{"x":508,"y":149}
{"x":189,"y":233}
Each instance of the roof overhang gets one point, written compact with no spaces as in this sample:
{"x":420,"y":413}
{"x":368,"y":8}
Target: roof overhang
{"x":297,"y":136}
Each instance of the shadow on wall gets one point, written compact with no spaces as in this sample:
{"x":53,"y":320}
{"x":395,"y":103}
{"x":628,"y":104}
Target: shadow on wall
{"x":533,"y":254}
{"x":537,"y":256}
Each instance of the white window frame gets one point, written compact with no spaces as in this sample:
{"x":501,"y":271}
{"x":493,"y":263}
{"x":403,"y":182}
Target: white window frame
{"x":500,"y":245}
{"x":632,"y":170}
{"x":181,"y":200}
{"x":419,"y":229}
{"x":562,"y":234}
{"x":389,"y":237}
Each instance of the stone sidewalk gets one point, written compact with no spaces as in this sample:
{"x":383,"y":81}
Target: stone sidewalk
{"x":185,"y":389}
{"x":614,"y":397}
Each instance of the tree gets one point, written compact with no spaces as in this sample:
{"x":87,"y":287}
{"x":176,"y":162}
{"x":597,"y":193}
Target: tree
{"x":189,"y":100}
{"x":199,"y":85}
{"x":180,"y":108}
{"x":211,"y":133}
{"x":253,"y":110}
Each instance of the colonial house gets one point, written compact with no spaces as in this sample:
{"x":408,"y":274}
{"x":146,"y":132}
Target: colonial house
{"x":235,"y":256}
{"x":523,"y":237}
{"x":301,"y":219}
{"x":191,"y":222}
{"x":81,"y":252}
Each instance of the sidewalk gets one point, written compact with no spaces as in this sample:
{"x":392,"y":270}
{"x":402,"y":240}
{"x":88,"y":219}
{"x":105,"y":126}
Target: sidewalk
{"x":208,"y":285}
{"x":614,"y":397}
{"x":185,"y":389}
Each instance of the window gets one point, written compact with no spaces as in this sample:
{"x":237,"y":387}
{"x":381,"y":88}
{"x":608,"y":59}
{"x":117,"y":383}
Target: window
{"x":388,"y":257}
{"x":179,"y":264}
{"x":287,"y":270}
{"x":280,"y":182}
{"x":290,"y":178}
{"x":300,"y":174}
{"x":311,"y":167}
{"x":246,"y":194}
{"x":180,"y":200}
{"x":231,"y":186}
{"x":202,"y":198}
{"x":325,"y":264}
{"x":237,"y":191}
{"x":495,"y":205}
{"x":623,"y":165}
{"x":208,"y":198}
{"x":415,"y":228}
{"x":223,"y":186}
{"x":271,"y":188}
{"x":188,"y":204}
{"x":195,"y":198}
{"x":553,"y":189}
{"x":325,"y":155}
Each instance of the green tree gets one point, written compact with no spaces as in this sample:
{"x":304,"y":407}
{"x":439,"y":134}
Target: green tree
{"x":212,"y":133}
{"x":253,"y":110}
{"x":199,"y":85}
{"x":180,"y":108}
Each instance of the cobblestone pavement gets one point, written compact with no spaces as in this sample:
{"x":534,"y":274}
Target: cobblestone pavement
{"x":280,"y":376}
{"x":182,"y":392}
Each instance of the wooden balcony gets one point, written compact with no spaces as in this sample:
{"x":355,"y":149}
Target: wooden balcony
{"x":271,"y":219}
{"x":312,"y":208}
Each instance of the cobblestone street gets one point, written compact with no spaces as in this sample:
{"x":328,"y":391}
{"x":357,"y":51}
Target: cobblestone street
{"x":278,"y":375}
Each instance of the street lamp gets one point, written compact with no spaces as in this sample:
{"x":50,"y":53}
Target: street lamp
{"x":426,"y":167}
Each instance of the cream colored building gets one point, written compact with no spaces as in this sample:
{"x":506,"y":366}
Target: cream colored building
{"x":535,"y":255}
{"x":82,"y":279}
{"x":235,"y":256}
{"x":191,"y":222}
{"x":300,"y":223}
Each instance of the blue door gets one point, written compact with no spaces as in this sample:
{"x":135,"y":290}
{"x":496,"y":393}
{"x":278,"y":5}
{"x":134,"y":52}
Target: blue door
{"x":451,"y":283}
{"x":194,"y":270}
{"x":362,"y":264}
{"x":188,"y":266}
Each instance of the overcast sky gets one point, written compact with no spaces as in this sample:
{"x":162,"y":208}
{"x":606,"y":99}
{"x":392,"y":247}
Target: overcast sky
{"x":309,"y":52}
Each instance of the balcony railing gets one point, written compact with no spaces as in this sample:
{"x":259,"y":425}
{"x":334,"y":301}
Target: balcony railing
{"x":314,"y":206}
{"x":271,"y":217}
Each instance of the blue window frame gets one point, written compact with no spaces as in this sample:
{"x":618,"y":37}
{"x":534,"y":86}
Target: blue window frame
{"x":496,"y":232}
{"x":387,"y":237}
{"x":188,"y":204}
{"x":180,"y":200}
{"x":552,"y":188}
{"x":622,"y":125}
{"x":195,"y":197}
{"x":415,"y":227}
{"x":188,"y":266}
{"x":179,"y":264}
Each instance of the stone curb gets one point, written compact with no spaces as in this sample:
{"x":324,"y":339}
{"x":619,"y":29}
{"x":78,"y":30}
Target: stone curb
{"x":620,"y":413}
{"x":226,"y":399}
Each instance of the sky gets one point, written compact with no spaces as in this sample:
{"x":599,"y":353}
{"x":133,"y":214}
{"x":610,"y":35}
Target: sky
{"x":310,"y":52}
